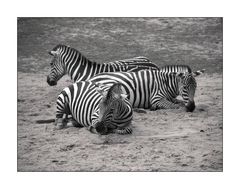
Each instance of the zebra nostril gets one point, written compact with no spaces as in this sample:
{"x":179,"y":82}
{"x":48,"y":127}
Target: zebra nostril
{"x":190,"y":107}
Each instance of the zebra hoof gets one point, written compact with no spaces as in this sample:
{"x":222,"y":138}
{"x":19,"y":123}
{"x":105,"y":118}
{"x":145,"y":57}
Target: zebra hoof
{"x":153,"y":108}
{"x":60,"y":123}
{"x":70,"y":124}
{"x":73,"y":123}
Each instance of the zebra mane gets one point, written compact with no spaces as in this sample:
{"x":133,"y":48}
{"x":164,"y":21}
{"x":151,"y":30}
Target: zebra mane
{"x":64,"y":47}
{"x":59,"y":46}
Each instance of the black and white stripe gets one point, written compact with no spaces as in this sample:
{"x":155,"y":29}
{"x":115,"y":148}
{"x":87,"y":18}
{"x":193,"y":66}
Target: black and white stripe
{"x":67,"y":60}
{"x":88,"y":107}
{"x":180,"y":69}
{"x":175,"y":68}
{"x":152,"y":89}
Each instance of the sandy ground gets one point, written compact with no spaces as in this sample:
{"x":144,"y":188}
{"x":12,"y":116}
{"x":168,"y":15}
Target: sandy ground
{"x":163,"y":140}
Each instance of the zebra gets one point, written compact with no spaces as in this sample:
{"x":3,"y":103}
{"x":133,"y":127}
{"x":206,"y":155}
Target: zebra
{"x":99,"y":108}
{"x":67,"y":60}
{"x":154,"y":89}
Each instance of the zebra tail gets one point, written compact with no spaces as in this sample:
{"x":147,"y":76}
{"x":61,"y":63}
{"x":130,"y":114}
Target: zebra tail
{"x":45,"y":121}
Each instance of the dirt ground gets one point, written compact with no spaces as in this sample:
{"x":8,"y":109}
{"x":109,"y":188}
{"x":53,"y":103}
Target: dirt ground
{"x":163,"y":140}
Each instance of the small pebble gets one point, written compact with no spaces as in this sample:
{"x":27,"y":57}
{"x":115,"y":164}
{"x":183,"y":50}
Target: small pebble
{"x":139,"y":147}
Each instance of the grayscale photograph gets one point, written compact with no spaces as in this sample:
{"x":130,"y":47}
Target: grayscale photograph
{"x":121,"y":94}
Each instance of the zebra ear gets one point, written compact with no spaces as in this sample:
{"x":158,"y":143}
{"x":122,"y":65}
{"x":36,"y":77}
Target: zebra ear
{"x":173,"y":73}
{"x":178,"y":74}
{"x":124,"y":96}
{"x":101,"y":91}
{"x":52,"y":53}
{"x":199,"y":72}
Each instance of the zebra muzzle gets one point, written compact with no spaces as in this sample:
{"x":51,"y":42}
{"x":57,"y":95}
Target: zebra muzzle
{"x":190,"y":107}
{"x":92,"y":130}
{"x":51,"y":82}
{"x":101,"y":128}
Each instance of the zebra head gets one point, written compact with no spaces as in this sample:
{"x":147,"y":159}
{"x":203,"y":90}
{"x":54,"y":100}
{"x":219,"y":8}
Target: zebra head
{"x":57,"y":67}
{"x":187,"y":86}
{"x":113,"y":110}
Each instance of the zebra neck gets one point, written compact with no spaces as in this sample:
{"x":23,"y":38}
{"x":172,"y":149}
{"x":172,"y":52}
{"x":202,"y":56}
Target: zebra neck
{"x":169,"y":84}
{"x":79,"y":68}
{"x":174,"y":87}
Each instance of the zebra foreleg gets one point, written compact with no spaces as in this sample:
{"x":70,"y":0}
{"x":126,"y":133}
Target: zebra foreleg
{"x":126,"y":130}
{"x":180,"y":102}
{"x":66,"y":122}
{"x":71,"y":122}
{"x":163,"y":104}
{"x":60,"y":123}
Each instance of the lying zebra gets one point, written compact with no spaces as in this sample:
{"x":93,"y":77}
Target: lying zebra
{"x":67,"y":60}
{"x":99,"y":108}
{"x":154,"y":89}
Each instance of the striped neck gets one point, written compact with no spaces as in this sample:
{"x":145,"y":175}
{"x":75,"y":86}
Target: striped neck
{"x":168,"y":83}
{"x":79,"y":68}
{"x":76,"y":65}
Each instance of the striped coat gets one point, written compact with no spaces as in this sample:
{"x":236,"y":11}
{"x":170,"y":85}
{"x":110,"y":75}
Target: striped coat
{"x":152,"y":89}
{"x":83,"y":100}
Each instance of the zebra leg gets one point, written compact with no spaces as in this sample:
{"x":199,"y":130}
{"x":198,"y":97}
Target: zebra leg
{"x":63,"y":111}
{"x":92,"y":129}
{"x":71,"y":122}
{"x":60,"y":123}
{"x":180,"y":102}
{"x":163,"y":104}
{"x":138,"y":110}
{"x":126,"y":130}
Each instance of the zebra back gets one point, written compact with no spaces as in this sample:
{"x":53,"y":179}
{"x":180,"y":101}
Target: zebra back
{"x":175,"y":68}
{"x":180,"y":69}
